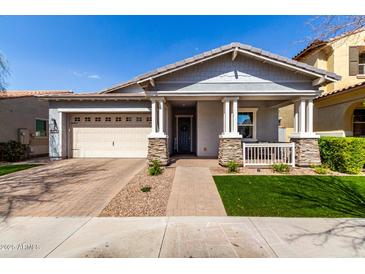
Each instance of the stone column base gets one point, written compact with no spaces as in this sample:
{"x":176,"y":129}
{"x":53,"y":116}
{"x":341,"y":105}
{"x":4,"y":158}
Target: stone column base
{"x":230,"y":149}
{"x":158,"y":150}
{"x":306,"y":151}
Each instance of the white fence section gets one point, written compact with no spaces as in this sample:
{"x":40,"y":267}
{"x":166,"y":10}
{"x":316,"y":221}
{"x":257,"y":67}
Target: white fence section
{"x":266,"y":154}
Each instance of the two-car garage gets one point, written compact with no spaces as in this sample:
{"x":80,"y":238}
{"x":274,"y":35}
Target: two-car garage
{"x":109,"y":135}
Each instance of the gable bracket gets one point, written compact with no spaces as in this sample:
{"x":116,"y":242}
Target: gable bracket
{"x":318,"y":81}
{"x":152,"y":82}
{"x":234,"y":53}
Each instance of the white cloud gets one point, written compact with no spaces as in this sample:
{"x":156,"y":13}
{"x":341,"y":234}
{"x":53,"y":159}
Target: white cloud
{"x":94,"y":76}
{"x":84,"y":74}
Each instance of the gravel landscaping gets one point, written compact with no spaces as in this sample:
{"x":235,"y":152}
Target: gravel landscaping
{"x":269,"y":171}
{"x":135,"y":199}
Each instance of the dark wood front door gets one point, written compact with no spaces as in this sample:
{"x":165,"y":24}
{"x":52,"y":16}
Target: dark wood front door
{"x":184,"y":135}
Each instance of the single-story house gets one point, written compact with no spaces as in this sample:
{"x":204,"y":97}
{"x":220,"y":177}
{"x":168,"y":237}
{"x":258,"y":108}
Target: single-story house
{"x":24,"y":118}
{"x":215,"y":104}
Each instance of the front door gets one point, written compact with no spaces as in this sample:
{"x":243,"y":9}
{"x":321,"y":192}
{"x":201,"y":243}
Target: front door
{"x":184,"y":135}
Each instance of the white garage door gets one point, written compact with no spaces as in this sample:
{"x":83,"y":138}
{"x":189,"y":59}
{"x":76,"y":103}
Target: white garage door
{"x":110,"y":135}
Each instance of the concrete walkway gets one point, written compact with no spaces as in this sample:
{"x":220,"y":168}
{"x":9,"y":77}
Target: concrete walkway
{"x":194,"y":193}
{"x":181,"y":237}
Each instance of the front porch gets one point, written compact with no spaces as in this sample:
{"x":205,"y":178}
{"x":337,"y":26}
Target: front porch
{"x":231,"y":129}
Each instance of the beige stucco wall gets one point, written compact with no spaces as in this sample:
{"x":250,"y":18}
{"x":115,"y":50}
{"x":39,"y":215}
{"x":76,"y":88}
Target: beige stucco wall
{"x":287,"y":116}
{"x":334,"y":113}
{"x":335,"y":58}
{"x":18,"y":113}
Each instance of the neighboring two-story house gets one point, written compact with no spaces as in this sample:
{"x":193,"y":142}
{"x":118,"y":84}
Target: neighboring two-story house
{"x":24,"y":118}
{"x":340,"y":109}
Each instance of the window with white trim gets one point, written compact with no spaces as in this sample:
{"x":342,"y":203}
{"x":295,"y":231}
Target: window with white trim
{"x":97,"y":119}
{"x":118,"y":119}
{"x":247,"y":123}
{"x":108,"y":119}
{"x":149,"y":119}
{"x":87,"y":119}
{"x":77,"y":119}
{"x":128,"y":119}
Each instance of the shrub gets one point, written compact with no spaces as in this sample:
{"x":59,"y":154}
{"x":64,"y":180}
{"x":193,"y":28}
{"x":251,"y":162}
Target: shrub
{"x":155,"y":168}
{"x":146,"y":189}
{"x":13,"y":151}
{"x":232,"y":166}
{"x":281,"y":168}
{"x":343,"y":154}
{"x":321,"y":169}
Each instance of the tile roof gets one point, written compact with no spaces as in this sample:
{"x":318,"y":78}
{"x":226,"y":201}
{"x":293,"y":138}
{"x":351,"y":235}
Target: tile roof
{"x":311,"y":46}
{"x":337,"y":91}
{"x":94,"y":95}
{"x":221,"y":50}
{"x":29,"y":93}
{"x":319,"y":43}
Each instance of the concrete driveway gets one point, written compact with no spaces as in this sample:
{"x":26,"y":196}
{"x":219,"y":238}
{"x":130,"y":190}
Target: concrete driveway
{"x":74,"y":187}
{"x":181,"y":237}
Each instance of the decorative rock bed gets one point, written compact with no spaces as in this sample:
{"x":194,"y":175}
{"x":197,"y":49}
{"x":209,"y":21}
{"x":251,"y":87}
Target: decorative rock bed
{"x":132,"y":201}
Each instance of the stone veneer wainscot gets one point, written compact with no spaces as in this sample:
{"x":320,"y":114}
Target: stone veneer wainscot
{"x":306,"y":151}
{"x":158,"y":150}
{"x":230,"y":149}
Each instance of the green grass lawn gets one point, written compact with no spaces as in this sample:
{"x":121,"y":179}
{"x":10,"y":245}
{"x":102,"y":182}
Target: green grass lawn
{"x":293,"y":196}
{"x":14,"y":168}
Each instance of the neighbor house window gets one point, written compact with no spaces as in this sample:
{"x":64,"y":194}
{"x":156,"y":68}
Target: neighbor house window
{"x":357,"y":60}
{"x":40,"y":128}
{"x":87,"y":119}
{"x":139,"y":119}
{"x":129,"y":119}
{"x":362,"y":63}
{"x":97,"y":119}
{"x":118,"y":119}
{"x":358,"y":121}
{"x":108,"y":119}
{"x":149,"y":119}
{"x":77,"y":119}
{"x":247,"y":123}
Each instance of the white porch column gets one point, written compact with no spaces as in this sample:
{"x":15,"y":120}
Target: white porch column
{"x":153,"y":117}
{"x":226,"y":116}
{"x":234,"y":127}
{"x":296,"y":117}
{"x":161,"y":117}
{"x":309,"y":116}
{"x":302,"y":116}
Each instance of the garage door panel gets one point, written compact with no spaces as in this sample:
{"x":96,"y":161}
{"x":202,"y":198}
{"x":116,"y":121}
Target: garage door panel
{"x":110,"y":139}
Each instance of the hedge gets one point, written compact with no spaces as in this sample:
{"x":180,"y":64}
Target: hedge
{"x":343,"y":154}
{"x":13,"y":151}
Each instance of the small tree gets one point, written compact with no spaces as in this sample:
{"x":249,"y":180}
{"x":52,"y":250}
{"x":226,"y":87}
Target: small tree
{"x":4,"y":72}
{"x":326,"y":27}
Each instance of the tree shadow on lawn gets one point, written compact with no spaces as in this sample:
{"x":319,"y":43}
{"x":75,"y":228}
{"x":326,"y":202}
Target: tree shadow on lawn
{"x":334,"y":195}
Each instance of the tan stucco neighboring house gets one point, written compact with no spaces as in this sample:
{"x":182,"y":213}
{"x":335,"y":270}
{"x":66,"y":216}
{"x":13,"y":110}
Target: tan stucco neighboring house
{"x":24,"y":118}
{"x":340,"y":109}
{"x":222,"y":103}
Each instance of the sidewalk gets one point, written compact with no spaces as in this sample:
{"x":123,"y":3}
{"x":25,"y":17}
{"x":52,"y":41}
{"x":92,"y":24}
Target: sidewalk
{"x":187,"y":237}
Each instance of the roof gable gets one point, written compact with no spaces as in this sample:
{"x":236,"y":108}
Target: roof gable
{"x":234,"y":49}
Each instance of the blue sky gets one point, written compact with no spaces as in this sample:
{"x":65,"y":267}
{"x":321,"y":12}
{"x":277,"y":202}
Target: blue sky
{"x":90,"y":53}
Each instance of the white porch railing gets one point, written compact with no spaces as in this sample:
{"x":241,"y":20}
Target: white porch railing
{"x":266,"y":154}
